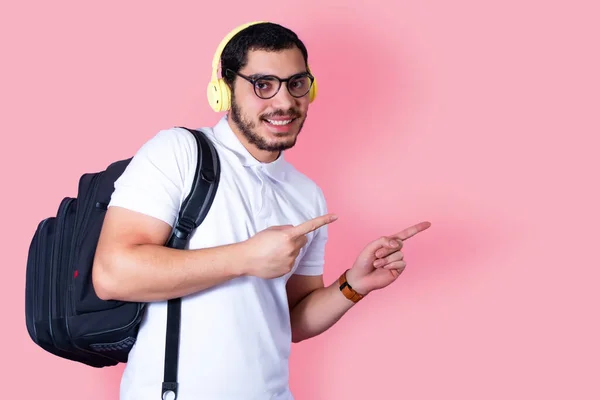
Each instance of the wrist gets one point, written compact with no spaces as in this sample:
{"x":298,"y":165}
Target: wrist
{"x":355,"y":282}
{"x":347,"y":289}
{"x":241,"y":260}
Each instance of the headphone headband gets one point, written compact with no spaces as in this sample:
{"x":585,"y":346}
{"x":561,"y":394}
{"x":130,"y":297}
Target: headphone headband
{"x":226,"y":39}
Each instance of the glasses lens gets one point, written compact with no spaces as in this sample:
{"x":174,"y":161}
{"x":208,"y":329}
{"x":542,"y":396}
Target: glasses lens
{"x":299,"y":86}
{"x":266,"y":87}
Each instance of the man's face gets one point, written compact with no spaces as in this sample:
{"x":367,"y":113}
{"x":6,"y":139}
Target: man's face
{"x":264,"y":123}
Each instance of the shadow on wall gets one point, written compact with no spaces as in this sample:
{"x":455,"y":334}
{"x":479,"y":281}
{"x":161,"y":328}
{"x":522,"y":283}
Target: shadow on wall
{"x":367,"y":89}
{"x":365,"y":84}
{"x":369,"y":96}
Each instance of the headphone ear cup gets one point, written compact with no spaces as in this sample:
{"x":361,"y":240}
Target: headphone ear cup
{"x":219,"y":95}
{"x":313,"y":91}
{"x":225,"y":95}
{"x":213,"y":95}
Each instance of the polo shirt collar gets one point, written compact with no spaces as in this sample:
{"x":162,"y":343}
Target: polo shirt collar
{"x":225,"y":135}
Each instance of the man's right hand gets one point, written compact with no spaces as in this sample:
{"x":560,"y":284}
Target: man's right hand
{"x":272,"y":252}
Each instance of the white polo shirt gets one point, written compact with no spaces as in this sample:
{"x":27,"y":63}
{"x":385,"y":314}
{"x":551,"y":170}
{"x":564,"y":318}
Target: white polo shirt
{"x":235,"y":337}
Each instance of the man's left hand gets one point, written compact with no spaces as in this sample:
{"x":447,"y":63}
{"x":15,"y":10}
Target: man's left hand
{"x":381,"y":262}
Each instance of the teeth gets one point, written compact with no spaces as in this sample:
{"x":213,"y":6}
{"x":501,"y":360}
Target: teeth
{"x":280,"y":122}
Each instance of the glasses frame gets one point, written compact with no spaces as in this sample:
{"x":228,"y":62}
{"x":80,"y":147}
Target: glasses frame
{"x":254,"y":80}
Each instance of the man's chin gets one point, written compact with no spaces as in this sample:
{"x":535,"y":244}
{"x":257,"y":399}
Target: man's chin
{"x":279,"y":141}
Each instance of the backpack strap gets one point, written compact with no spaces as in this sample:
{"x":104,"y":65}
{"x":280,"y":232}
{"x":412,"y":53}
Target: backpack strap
{"x":192,"y":213}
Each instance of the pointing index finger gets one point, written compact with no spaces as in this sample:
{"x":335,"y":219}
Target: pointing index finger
{"x":312,"y":224}
{"x":413,"y":230}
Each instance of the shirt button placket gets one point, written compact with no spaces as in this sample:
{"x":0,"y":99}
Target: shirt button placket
{"x":265,"y":204}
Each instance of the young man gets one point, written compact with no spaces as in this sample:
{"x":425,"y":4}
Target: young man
{"x":251,"y":280}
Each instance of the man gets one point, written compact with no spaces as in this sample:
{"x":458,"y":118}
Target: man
{"x":251,"y":280}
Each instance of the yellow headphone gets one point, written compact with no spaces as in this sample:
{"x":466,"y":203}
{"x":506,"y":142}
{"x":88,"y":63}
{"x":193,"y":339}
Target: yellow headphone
{"x":219,"y":94}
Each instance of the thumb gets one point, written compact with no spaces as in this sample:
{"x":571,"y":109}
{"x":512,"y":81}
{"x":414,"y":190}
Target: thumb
{"x":279,"y":227}
{"x":384,"y":241}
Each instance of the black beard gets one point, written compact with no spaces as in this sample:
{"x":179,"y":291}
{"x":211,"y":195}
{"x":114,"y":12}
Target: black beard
{"x":247,"y":128}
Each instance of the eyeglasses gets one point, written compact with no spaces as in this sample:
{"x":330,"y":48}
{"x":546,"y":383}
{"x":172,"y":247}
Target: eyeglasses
{"x":267,"y":86}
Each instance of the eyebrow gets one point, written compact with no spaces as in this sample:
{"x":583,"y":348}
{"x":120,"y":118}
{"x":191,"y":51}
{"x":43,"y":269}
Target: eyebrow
{"x":258,"y":75}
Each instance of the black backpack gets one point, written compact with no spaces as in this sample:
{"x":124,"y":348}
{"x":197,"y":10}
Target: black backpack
{"x":63,"y":314}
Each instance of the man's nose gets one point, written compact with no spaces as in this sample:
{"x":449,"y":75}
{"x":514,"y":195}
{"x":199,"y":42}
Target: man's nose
{"x":283,"y":99}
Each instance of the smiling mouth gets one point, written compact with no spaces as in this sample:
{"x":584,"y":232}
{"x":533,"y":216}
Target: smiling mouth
{"x":280,"y":122}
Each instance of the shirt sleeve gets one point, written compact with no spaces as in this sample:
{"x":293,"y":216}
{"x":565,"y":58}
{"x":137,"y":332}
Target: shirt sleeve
{"x":313,"y":261}
{"x":155,"y":181}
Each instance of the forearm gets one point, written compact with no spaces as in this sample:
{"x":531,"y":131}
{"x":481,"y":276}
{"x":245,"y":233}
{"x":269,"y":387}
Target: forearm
{"x":318,"y":311}
{"x":148,"y":272}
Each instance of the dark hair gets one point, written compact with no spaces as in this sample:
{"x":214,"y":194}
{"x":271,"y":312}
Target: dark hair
{"x":263,"y":36}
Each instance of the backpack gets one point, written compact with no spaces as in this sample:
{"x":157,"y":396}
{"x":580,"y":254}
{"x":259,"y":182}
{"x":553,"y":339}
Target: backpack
{"x":63,"y":314}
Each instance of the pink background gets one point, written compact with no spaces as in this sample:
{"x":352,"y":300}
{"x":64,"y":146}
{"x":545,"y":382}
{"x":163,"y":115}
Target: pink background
{"x":481,"y":117}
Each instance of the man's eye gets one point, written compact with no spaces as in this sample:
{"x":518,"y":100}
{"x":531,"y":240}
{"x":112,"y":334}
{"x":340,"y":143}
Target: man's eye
{"x":263,"y":84}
